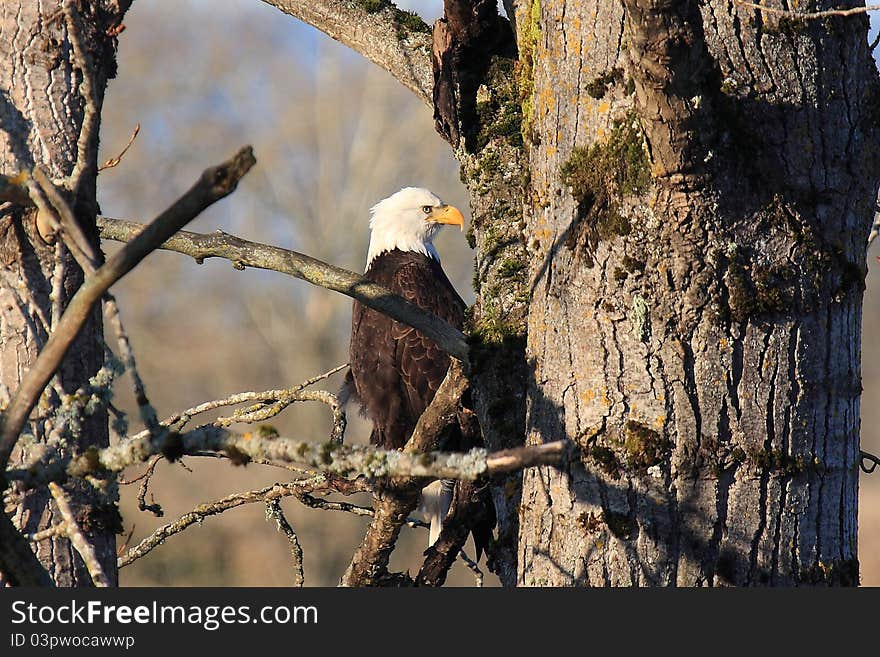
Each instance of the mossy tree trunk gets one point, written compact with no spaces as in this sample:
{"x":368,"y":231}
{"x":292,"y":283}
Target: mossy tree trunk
{"x":679,"y":244}
{"x":42,"y":107}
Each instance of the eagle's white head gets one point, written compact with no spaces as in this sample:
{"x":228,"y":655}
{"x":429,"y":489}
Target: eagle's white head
{"x":409,"y":220}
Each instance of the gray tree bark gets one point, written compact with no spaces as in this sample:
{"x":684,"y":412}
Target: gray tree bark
{"x":701,"y":189}
{"x":679,"y":244}
{"x":43,"y":105}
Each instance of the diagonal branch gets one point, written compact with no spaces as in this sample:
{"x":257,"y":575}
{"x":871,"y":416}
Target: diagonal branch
{"x":397,"y":41}
{"x":243,"y":253}
{"x":214,"y":184}
{"x":273,"y":510}
{"x":395,"y":499}
{"x":80,"y":542}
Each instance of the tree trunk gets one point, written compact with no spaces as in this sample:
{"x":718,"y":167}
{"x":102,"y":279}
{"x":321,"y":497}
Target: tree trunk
{"x":698,"y":190}
{"x":42,"y":106}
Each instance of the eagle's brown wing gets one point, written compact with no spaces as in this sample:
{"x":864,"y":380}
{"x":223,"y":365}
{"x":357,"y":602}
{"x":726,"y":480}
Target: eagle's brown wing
{"x":421,"y":363}
{"x":396,"y":369}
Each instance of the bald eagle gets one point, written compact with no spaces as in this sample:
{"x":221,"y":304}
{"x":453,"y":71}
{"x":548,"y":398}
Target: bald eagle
{"x":395,"y":369}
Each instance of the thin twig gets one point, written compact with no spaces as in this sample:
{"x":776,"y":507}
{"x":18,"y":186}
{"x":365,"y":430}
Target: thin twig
{"x":321,"y":377}
{"x":122,"y":548}
{"x":78,"y":540}
{"x":202,"y":511}
{"x":364,"y":511}
{"x":214,"y":184}
{"x":812,"y":15}
{"x":114,"y":161}
{"x":146,"y":473}
{"x":873,"y":461}
{"x":154,"y":508}
{"x":146,"y":410}
{"x":269,"y":404}
{"x":273,"y":510}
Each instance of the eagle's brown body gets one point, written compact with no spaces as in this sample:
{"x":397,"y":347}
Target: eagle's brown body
{"x":396,"y":369}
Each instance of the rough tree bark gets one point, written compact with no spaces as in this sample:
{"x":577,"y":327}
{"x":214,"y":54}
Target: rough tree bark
{"x":696,"y":309}
{"x":42,"y":115}
{"x":680,"y":240}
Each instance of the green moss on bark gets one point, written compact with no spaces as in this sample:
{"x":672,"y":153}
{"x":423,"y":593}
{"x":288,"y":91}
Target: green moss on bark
{"x":406,"y":21}
{"x":602,"y":174}
{"x":529,"y":33}
{"x":644,"y":447}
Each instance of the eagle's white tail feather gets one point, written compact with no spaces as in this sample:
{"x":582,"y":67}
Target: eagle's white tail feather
{"x":436,"y":500}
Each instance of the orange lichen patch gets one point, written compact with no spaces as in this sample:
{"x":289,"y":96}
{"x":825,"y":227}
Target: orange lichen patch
{"x":722,"y":343}
{"x":660,"y":421}
{"x":600,"y":133}
{"x":247,"y":436}
{"x":604,"y":107}
{"x":587,"y":396}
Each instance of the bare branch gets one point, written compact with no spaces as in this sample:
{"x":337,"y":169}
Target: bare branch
{"x":114,"y":161}
{"x":243,"y":253}
{"x":319,"y":483}
{"x":214,"y":184}
{"x":269,"y":403}
{"x":343,"y":460}
{"x":153,"y":507}
{"x":273,"y":510}
{"x":395,"y":40}
{"x":74,"y":533}
{"x":808,"y":15}
{"x":146,"y":473}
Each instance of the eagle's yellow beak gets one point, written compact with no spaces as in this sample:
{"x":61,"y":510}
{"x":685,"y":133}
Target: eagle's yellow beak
{"x":447,"y":214}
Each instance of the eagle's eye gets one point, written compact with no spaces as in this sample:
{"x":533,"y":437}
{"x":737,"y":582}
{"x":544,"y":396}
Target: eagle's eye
{"x":427,"y":209}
